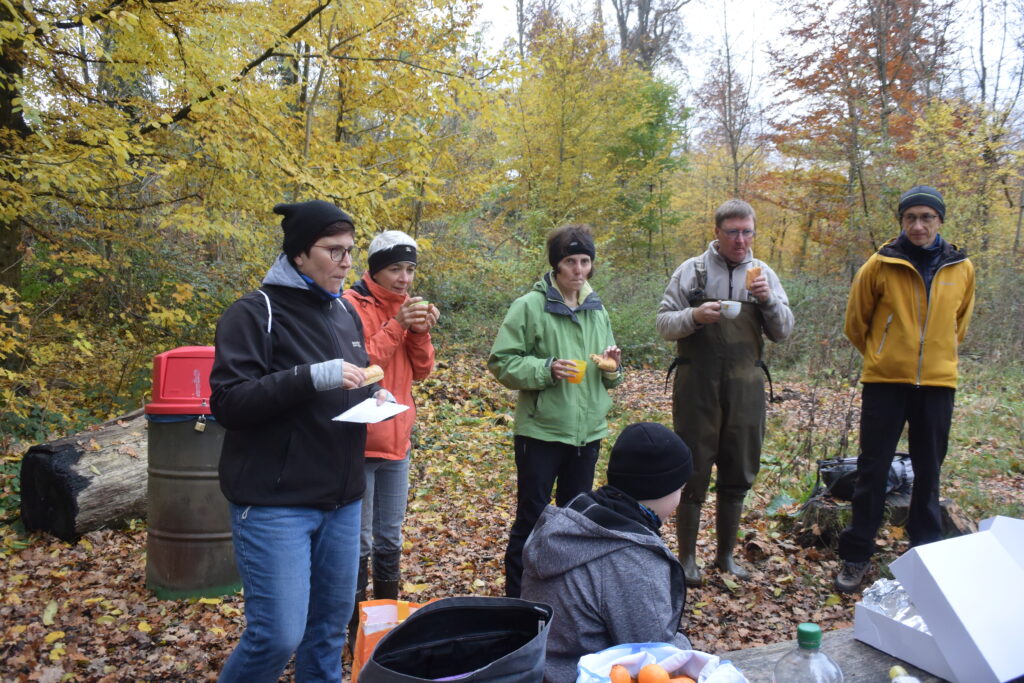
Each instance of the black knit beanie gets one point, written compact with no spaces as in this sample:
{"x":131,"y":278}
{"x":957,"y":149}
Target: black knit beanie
{"x":923,"y":195}
{"x":303,"y":221}
{"x":649,"y":461}
{"x":577,"y":243}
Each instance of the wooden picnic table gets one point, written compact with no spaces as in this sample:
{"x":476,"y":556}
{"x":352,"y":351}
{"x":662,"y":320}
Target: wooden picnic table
{"x":859,"y":662}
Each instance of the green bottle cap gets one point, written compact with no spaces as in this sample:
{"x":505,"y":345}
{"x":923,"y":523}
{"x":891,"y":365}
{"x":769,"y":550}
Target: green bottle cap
{"x":808,"y":636}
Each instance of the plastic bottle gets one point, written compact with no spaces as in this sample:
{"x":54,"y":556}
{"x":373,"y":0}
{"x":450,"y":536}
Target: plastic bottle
{"x":898,"y":674}
{"x":807,"y":663}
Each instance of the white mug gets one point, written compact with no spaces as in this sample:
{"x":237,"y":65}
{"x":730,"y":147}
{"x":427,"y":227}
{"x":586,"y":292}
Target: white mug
{"x":730,"y":309}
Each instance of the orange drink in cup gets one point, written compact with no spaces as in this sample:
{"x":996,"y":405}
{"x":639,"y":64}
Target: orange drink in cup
{"x":581,"y":371}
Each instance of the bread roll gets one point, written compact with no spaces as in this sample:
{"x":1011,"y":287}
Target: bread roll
{"x":604,"y":364}
{"x":752,"y":273}
{"x":374,"y":373}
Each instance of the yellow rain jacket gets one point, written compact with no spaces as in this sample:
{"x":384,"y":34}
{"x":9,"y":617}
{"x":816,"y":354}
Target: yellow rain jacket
{"x":904,"y":335}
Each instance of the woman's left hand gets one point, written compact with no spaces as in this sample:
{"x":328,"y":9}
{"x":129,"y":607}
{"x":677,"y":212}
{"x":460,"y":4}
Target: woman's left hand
{"x":431,"y":318}
{"x":614,"y":353}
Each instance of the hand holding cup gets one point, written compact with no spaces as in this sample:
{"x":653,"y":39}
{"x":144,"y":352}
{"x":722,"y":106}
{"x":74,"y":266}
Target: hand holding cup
{"x":730,"y":309}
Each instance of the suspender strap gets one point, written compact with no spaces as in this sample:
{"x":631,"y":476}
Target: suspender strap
{"x":676,"y":362}
{"x":771,"y":390}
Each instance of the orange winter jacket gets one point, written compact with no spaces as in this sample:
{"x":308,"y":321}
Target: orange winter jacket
{"x":402,"y":354}
{"x":905,"y":336}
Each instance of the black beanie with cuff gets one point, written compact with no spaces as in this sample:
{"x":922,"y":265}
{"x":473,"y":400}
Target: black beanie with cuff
{"x":303,"y":221}
{"x":649,"y":461}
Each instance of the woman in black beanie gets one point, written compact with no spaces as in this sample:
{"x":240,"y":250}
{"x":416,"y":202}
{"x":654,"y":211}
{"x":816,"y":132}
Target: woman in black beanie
{"x":289,"y":357}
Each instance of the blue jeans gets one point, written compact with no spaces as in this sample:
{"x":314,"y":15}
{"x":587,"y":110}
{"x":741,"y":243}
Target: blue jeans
{"x":298,"y":568}
{"x":387,"y":491}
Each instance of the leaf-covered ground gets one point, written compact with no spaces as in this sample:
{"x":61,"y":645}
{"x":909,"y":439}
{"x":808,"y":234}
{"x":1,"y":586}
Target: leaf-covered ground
{"x":81,"y":612}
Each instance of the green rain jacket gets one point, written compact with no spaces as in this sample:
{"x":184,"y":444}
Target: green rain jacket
{"x":538,"y":328}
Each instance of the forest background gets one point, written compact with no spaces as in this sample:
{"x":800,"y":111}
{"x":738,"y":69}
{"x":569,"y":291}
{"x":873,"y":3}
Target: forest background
{"x":143,"y":143}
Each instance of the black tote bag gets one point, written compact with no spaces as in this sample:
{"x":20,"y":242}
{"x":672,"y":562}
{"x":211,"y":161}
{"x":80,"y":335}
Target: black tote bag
{"x":465,"y":639}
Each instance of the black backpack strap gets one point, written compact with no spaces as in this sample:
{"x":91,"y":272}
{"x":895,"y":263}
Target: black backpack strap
{"x":698,"y":293}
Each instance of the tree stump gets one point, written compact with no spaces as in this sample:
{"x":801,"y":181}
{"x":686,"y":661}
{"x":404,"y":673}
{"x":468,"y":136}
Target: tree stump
{"x":93,"y":479}
{"x":822,"y":518}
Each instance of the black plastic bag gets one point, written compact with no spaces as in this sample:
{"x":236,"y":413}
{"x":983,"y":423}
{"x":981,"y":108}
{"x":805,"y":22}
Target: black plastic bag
{"x":473,"y":639}
{"x":838,"y":476}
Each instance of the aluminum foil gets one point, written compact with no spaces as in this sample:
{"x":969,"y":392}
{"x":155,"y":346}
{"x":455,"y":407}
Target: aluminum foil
{"x":887,"y":597}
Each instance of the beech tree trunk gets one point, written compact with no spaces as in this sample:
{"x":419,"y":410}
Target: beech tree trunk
{"x":93,"y":479}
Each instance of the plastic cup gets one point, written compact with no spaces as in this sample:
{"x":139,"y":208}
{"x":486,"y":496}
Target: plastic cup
{"x":581,"y":372}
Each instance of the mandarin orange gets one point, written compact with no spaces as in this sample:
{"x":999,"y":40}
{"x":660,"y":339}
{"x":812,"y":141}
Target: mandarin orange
{"x":652,"y":673}
{"x":620,"y":674}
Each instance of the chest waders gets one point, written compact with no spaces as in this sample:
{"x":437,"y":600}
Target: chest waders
{"x":718,"y":408}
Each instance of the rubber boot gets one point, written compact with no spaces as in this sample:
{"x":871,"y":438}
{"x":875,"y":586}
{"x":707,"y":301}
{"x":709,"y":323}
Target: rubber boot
{"x":386,"y":564}
{"x":362,"y":578}
{"x":687,"y":526}
{"x":727,"y":525}
{"x":385,"y":589}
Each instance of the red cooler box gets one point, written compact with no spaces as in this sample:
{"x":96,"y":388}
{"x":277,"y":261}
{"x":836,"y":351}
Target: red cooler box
{"x":188,"y":548}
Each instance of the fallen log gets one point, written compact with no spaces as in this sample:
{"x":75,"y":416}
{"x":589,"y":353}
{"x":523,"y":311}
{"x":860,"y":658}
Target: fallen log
{"x":87,"y":481}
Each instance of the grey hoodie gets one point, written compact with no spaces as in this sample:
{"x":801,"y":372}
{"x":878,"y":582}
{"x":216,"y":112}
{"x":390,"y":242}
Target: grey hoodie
{"x":609,"y":578}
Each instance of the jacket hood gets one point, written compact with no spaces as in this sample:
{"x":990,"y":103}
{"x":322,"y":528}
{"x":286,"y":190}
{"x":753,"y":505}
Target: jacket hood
{"x":284,"y":274}
{"x":582,"y":532}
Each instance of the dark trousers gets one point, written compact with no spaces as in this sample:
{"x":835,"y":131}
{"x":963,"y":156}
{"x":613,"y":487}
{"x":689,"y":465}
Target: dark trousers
{"x":885,"y":409}
{"x":538,"y":465}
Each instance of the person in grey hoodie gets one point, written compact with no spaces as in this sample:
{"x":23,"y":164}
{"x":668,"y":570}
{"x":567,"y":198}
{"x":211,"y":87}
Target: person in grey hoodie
{"x":600,"y":562}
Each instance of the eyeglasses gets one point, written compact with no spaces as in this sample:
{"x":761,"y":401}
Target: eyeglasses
{"x":925,"y":218}
{"x":338,"y":254}
{"x":746,"y":233}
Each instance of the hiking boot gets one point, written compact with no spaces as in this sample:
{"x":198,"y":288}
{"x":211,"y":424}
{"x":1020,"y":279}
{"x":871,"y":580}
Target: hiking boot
{"x":851,"y":576}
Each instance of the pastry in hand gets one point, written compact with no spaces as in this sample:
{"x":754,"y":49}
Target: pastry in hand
{"x":604,"y":364}
{"x":752,"y":273}
{"x":374,"y":373}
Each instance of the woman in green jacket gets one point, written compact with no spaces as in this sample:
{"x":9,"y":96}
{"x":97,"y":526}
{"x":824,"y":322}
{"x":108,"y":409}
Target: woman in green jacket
{"x":543,"y":350}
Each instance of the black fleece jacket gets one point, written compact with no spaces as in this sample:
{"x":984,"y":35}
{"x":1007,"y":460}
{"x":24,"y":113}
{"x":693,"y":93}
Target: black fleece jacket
{"x":281,"y":446}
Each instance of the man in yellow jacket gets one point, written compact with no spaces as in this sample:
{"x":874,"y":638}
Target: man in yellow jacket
{"x":907,"y":314}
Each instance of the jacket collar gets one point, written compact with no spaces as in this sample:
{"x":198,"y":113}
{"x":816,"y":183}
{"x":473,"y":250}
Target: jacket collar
{"x":555,"y":303}
{"x":713,"y":252}
{"x":366,"y":287}
{"x":949,"y":252}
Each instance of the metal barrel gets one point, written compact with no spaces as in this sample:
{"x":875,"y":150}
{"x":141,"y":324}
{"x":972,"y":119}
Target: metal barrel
{"x":188,"y":550}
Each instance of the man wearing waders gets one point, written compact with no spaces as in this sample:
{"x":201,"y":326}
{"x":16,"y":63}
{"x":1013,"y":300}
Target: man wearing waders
{"x":718,"y":402}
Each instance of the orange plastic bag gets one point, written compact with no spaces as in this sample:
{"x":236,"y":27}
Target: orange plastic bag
{"x":376,"y":618}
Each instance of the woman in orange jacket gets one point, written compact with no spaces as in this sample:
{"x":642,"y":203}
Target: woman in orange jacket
{"x":397,"y":329}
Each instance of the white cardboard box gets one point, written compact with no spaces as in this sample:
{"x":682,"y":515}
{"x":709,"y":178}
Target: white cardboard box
{"x":970,"y":592}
